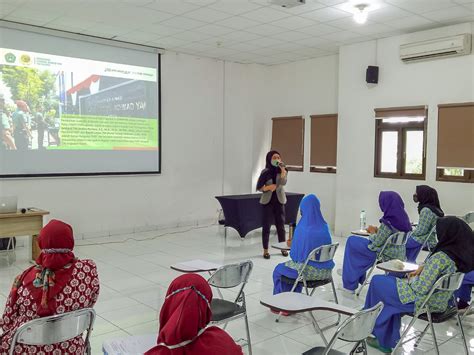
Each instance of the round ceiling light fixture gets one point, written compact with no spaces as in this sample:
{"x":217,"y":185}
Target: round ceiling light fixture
{"x":361,"y":13}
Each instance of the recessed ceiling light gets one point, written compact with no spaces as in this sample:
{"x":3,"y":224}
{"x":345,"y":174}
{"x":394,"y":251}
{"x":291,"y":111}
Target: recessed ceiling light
{"x":361,"y":13}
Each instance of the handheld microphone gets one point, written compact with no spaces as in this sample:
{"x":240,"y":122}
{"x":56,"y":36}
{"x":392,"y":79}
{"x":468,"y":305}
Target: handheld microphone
{"x":281,"y":165}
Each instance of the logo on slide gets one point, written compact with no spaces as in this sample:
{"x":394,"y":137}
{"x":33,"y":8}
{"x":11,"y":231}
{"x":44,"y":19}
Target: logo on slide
{"x":25,"y":59}
{"x":10,"y":58}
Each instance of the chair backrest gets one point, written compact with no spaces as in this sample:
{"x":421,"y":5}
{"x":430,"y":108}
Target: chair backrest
{"x":232,"y":275}
{"x":448,"y":282}
{"x":468,"y":217}
{"x":55,"y":329}
{"x":357,"y":327}
{"x":323,"y":253}
{"x":398,"y":238}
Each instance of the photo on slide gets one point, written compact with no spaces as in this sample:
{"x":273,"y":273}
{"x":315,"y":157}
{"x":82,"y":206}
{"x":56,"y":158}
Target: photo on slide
{"x":50,"y":102}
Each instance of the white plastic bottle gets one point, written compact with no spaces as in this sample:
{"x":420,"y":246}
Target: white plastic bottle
{"x":363,"y":220}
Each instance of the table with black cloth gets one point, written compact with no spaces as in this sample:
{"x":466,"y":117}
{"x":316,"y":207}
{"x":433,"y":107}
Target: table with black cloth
{"x":244,"y":212}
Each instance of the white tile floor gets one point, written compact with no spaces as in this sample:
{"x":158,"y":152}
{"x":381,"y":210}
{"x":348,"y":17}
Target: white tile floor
{"x":134,"y":277}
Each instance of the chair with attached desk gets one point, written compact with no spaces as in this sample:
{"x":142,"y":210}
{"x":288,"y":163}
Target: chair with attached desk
{"x":397,"y":239}
{"x":224,"y":311}
{"x":55,"y":329}
{"x":450,"y":283}
{"x":355,"y":329}
{"x":321,"y":254}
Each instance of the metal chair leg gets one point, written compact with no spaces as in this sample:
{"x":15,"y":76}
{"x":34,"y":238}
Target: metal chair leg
{"x":249,"y":343}
{"x":366,"y":281}
{"x":337,"y":302}
{"x":461,"y":327}
{"x":405,"y":332}
{"x":433,"y":332}
{"x":318,"y":329}
{"x":422,"y":334}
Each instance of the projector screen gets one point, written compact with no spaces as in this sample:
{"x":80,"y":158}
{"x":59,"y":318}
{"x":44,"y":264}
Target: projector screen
{"x":77,"y":108}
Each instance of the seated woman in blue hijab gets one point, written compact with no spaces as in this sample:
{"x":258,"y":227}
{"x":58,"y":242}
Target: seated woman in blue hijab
{"x":453,"y":253}
{"x":311,"y":232}
{"x":429,"y":210}
{"x":361,"y":252}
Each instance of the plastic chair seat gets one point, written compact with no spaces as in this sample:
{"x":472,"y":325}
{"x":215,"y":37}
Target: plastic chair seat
{"x":222,"y":309}
{"x":440,"y":317}
{"x":319,"y":350}
{"x":309,"y":283}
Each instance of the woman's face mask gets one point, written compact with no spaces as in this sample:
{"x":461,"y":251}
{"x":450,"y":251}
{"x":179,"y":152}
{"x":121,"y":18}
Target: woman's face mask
{"x":275,"y":162}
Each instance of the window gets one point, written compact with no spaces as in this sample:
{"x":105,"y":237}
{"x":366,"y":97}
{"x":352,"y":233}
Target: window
{"x":323,"y":143}
{"x":455,"y":161}
{"x":288,"y":140}
{"x":400,"y":142}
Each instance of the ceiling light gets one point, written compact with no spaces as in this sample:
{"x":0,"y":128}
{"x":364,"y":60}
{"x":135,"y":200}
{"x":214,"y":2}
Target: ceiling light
{"x":361,"y":13}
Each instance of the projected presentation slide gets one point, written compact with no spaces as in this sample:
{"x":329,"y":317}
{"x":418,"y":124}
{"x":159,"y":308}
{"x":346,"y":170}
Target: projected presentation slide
{"x":50,"y":102}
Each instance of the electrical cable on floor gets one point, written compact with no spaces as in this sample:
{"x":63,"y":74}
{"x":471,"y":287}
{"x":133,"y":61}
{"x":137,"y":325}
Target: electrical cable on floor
{"x":147,"y":239}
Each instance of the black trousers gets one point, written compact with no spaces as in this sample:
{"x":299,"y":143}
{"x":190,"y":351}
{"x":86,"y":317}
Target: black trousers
{"x":273,"y":209}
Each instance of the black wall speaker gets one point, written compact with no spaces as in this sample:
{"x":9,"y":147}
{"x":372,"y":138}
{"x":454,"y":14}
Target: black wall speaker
{"x":372,"y":74}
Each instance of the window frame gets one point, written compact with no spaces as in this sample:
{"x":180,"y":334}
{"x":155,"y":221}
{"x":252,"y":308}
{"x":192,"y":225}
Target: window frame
{"x":401,"y":128}
{"x":322,"y":169}
{"x":468,"y":176}
{"x":302,"y":118}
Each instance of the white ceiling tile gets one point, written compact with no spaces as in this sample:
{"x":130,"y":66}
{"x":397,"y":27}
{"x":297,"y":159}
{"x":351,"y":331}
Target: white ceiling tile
{"x":219,"y":41}
{"x":242,"y":46}
{"x":447,"y":14}
{"x":137,"y":2}
{"x":175,"y":7}
{"x":198,"y":46}
{"x":311,"y":52}
{"x":289,"y":56}
{"x":310,"y":5}
{"x":288,"y":46}
{"x":326,"y":14}
{"x":411,"y":22}
{"x":388,"y":13}
{"x":341,"y":36}
{"x":265,"y":14}
{"x":318,"y":30}
{"x":238,"y":23}
{"x":373,"y":29}
{"x":318,"y":42}
{"x":220,"y":52}
{"x":240,"y":36}
{"x":268,"y":51}
{"x":34,"y":13}
{"x":182,"y":23}
{"x":207,"y":15}
{"x":293,"y":22}
{"x":234,"y":7}
{"x":464,"y":1}
{"x":142,"y":15}
{"x":347,"y":23}
{"x":69,"y":22}
{"x":168,"y":42}
{"x":201,"y":2}
{"x":192,"y":36}
{"x":161,"y":30}
{"x":137,"y":37}
{"x":5,"y":9}
{"x":265,"y":41}
{"x":421,"y":6}
{"x":266,"y":29}
{"x":291,"y":36}
{"x":331,"y":2}
{"x":214,"y":30}
{"x":470,"y":7}
{"x":106,"y":29}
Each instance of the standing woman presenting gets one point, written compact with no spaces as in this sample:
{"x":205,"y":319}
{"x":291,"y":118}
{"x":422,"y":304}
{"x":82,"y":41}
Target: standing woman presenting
{"x":271,"y":183}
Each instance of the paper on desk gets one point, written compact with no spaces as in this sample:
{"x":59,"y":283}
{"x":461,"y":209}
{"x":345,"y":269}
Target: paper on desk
{"x":199,"y":264}
{"x":131,"y":345}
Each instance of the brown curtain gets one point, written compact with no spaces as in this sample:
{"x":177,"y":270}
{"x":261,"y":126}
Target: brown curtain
{"x":411,"y":111}
{"x":324,"y":140}
{"x":288,"y":139}
{"x":456,"y":135}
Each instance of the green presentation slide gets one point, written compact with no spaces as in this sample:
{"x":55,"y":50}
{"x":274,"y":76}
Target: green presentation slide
{"x":80,"y":132}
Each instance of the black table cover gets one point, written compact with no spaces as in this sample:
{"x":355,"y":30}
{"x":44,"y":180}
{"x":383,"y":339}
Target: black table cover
{"x":244,"y":212}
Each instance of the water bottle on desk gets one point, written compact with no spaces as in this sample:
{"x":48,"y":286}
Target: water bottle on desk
{"x":363,"y":220}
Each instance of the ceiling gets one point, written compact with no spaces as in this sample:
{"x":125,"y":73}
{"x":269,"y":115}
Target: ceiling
{"x":245,"y":31}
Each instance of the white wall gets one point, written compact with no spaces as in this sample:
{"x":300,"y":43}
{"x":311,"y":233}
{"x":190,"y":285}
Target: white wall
{"x":429,"y":83}
{"x":302,"y":88}
{"x":192,"y":110}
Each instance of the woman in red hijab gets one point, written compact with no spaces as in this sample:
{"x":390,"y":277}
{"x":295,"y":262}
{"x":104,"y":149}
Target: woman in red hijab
{"x":184,"y":320}
{"x":58,"y":283}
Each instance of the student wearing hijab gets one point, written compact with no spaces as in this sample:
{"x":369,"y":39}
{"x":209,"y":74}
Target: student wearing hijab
{"x":271,"y":183}
{"x":453,"y":253}
{"x":184,"y":320}
{"x":58,"y":283}
{"x":429,"y":210}
{"x":311,"y":232}
{"x":361,"y":252}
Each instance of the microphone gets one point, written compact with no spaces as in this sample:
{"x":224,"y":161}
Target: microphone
{"x":281,"y":165}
